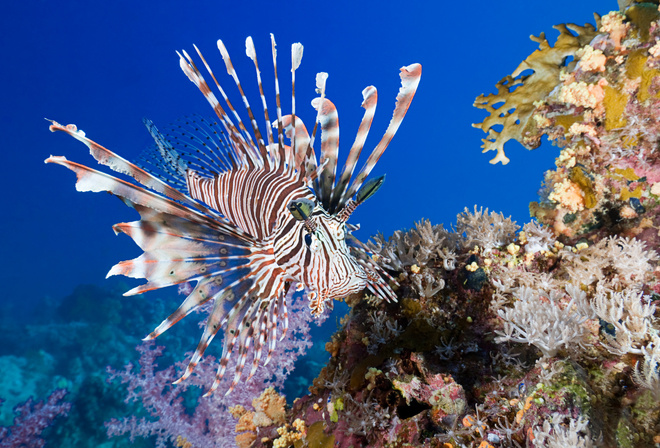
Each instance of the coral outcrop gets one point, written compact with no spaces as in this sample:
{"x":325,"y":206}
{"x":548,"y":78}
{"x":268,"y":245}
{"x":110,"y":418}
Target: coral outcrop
{"x":545,"y":335}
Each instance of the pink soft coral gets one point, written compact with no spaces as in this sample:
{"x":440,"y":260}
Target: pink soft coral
{"x":32,"y":419}
{"x":210,"y":425}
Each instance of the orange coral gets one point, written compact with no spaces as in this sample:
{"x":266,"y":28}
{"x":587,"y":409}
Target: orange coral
{"x":268,"y":410}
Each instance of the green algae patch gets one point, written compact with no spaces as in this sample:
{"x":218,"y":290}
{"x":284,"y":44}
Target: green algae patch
{"x":338,"y":405}
{"x":624,"y":434}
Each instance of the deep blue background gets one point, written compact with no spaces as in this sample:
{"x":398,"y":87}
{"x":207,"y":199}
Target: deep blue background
{"x":106,"y":65}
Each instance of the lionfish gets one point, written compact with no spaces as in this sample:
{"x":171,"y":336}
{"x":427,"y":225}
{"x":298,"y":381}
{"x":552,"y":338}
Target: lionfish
{"x":245,"y":217}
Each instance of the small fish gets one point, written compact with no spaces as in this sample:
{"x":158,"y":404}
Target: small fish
{"x":245,"y":217}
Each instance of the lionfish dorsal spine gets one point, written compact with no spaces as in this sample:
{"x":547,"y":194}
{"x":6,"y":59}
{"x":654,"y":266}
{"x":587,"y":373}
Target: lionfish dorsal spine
{"x":369,"y":101}
{"x":232,"y":72}
{"x":296,"y":59}
{"x":239,"y":138}
{"x":278,"y":105}
{"x":329,"y":120}
{"x":410,"y":77}
{"x":251,"y":52}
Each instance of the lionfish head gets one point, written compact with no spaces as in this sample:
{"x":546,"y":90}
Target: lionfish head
{"x":338,"y":273}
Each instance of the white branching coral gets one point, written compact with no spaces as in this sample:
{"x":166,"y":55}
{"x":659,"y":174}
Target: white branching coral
{"x":427,"y":282}
{"x":554,"y":434}
{"x":382,"y":330}
{"x":540,"y":319}
{"x":538,"y":238}
{"x":415,"y":247}
{"x":648,"y":374}
{"x":486,"y":230}
{"x":630,"y":313}
{"x":617,"y":262}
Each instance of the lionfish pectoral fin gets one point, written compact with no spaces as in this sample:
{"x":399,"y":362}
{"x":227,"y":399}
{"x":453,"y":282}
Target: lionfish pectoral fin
{"x":222,"y":306}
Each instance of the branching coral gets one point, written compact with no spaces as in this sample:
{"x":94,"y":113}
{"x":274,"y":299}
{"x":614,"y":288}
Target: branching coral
{"x":630,"y":313}
{"x":32,"y":419}
{"x":486,"y":230}
{"x":648,"y":374}
{"x":615,"y":262}
{"x":415,"y":247}
{"x":517,"y":93}
{"x":555,"y":434}
{"x":168,"y":418}
{"x":540,"y":319}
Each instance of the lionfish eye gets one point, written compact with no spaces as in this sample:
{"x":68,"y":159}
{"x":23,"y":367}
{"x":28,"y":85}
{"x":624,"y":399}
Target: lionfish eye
{"x":308,"y":239}
{"x":301,"y":209}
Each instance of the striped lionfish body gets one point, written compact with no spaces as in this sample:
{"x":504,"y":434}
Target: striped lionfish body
{"x":243,"y":216}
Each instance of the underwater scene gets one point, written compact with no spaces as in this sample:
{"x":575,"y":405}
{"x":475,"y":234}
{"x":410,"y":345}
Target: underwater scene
{"x":427,"y":281}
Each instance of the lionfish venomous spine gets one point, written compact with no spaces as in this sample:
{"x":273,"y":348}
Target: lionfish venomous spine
{"x":245,"y":217}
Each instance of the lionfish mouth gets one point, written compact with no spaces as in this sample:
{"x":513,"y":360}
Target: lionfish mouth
{"x":209,"y":194}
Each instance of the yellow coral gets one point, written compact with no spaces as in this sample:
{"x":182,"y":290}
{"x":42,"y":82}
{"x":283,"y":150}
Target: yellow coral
{"x":245,"y":440}
{"x":271,"y":404}
{"x":520,"y":93}
{"x":287,"y":437}
{"x":182,"y":442}
{"x":615,"y":104}
{"x":268,"y":410}
{"x":472,"y":267}
{"x":513,"y":248}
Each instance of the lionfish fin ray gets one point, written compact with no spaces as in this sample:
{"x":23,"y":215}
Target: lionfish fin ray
{"x":410,"y":76}
{"x":252,"y":54}
{"x":253,"y":122}
{"x":328,"y":118}
{"x":369,"y":101}
{"x":120,"y":165}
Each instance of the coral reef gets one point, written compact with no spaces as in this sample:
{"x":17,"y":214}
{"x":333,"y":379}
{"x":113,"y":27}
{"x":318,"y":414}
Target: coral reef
{"x":509,"y":337}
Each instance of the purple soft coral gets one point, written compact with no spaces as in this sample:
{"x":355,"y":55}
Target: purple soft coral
{"x":32,"y":419}
{"x":210,"y":425}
